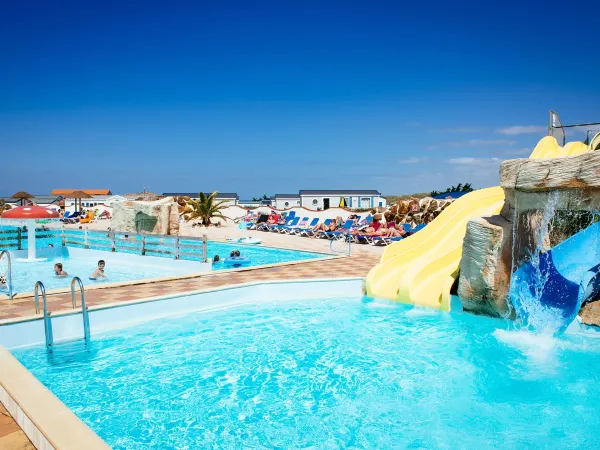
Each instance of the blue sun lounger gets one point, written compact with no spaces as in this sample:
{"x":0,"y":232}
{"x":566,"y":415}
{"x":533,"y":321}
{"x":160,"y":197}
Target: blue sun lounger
{"x":290,"y":223}
{"x":309,"y":231}
{"x":306,"y":228}
{"x":342,"y":233}
{"x":292,"y":228}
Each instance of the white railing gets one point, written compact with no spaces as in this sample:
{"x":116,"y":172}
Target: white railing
{"x":142,"y":243}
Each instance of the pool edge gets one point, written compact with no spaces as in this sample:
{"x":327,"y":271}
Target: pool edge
{"x":19,"y":296}
{"x":68,"y":312}
{"x":47,"y":422}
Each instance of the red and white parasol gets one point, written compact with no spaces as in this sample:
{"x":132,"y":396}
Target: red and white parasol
{"x":29,"y":215}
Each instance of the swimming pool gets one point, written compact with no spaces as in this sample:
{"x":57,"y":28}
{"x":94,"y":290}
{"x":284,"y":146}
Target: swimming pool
{"x":81,"y":263}
{"x":97,"y":240}
{"x":267,"y":370}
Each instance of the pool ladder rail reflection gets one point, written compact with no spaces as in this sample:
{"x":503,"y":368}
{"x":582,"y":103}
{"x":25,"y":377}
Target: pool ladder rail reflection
{"x":39,"y":287}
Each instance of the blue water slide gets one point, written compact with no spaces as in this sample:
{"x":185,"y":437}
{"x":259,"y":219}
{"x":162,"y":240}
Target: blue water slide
{"x":562,"y":279}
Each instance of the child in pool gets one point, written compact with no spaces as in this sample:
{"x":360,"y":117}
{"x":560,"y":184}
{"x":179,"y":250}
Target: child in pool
{"x":98,"y":274}
{"x":58,"y":270}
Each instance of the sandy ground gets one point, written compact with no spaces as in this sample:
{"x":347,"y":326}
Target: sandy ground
{"x":267,"y":238}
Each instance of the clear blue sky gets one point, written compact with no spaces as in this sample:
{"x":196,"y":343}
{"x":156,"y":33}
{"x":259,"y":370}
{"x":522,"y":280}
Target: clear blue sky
{"x":275,"y":96}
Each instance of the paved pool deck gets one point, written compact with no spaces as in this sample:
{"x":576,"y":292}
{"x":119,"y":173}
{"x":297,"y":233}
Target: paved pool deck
{"x":354,"y":266}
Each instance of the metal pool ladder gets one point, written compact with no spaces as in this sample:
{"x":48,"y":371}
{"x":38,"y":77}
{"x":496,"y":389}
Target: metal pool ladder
{"x":39,"y":287}
{"x":6,"y":253}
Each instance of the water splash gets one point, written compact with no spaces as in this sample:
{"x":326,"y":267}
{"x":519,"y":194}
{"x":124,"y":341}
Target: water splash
{"x":532,"y":315}
{"x":547,"y":288}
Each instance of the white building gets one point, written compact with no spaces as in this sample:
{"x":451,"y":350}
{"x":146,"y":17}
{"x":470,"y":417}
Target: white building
{"x":353,"y":199}
{"x":285,"y":201}
{"x":229,"y":198}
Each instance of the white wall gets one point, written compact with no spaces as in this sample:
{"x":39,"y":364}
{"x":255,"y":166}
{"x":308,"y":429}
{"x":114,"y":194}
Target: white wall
{"x":353,"y":201}
{"x":280,"y":203}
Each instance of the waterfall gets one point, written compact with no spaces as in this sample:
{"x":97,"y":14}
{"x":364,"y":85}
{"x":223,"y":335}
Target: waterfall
{"x":531,"y":313}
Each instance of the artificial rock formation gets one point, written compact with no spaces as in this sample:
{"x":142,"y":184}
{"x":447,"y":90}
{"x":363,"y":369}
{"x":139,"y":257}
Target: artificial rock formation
{"x":569,"y":183}
{"x":157,"y":217}
{"x":485,"y":266}
{"x":414,"y":211}
{"x":547,"y":200}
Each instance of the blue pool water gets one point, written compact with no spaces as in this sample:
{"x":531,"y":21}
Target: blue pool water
{"x":259,"y":255}
{"x":25,"y":275}
{"x":328,"y":374}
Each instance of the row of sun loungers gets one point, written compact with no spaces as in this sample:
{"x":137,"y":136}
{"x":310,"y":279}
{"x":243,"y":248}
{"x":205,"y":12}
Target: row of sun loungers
{"x":349,"y":231}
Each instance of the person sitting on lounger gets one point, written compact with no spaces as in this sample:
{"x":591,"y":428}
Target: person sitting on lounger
{"x":59,"y":272}
{"x":98,"y":274}
{"x":393,"y":230}
{"x":376,"y":228}
{"x":273,"y":219}
{"x":322,"y":228}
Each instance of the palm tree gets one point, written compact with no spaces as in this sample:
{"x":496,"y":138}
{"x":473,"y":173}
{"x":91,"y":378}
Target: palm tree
{"x":205,"y":208}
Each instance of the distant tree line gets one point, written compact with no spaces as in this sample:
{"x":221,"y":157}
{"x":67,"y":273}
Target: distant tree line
{"x":458,"y":188}
{"x":259,"y":199}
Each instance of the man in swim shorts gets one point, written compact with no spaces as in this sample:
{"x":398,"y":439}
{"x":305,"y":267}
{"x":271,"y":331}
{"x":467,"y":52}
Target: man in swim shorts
{"x":98,"y":274}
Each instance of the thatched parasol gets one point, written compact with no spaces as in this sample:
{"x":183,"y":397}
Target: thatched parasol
{"x":78,"y":195}
{"x":22,"y":196}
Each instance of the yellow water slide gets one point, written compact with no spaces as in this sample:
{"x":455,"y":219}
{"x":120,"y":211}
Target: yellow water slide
{"x":421,"y":269}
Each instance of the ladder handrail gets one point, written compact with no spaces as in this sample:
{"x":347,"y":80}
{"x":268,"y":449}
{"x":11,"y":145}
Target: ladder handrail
{"x":47,"y":324}
{"x":9,"y":278}
{"x":84,"y":310}
{"x":347,"y":237}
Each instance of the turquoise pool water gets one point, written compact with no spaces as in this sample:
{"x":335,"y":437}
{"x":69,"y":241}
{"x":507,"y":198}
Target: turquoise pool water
{"x":24,"y":275}
{"x":328,"y":374}
{"x":259,"y":255}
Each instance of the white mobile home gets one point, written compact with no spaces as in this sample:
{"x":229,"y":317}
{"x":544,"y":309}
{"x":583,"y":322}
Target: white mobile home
{"x":352,"y":199}
{"x":285,"y":201}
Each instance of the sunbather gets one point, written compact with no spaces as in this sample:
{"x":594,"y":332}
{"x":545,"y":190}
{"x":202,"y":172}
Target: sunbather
{"x":322,"y":228}
{"x":393,"y":230}
{"x":377,"y":228}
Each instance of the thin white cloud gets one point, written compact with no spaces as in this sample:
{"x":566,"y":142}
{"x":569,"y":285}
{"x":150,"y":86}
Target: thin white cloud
{"x":412,"y":160}
{"x":471,"y":143}
{"x":521,"y":129}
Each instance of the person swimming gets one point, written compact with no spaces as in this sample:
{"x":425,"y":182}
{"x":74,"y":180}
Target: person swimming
{"x":235,"y":254}
{"x":58,"y":270}
{"x":99,"y":274}
{"x":216,"y":259}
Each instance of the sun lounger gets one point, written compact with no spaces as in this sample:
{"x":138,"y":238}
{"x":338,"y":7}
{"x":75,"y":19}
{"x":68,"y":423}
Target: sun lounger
{"x":342,"y":233}
{"x":308,"y":231}
{"x":292,"y":229}
{"x":379,"y":240}
{"x":303,"y":231}
{"x":290,"y":223}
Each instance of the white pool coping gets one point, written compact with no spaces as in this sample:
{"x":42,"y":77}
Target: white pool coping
{"x":47,"y":422}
